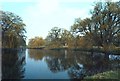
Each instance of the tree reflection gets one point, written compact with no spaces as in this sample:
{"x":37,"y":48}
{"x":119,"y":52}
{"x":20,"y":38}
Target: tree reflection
{"x":78,"y":64}
{"x":76,"y":71}
{"x":36,"y":54}
{"x":58,"y":61}
{"x":92,"y":63}
{"x":13,"y":62}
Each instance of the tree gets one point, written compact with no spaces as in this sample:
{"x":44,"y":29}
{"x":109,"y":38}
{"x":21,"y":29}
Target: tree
{"x":66,"y":38}
{"x":36,"y":42}
{"x":106,"y":19}
{"x":53,"y":38}
{"x":103,"y":26}
{"x":81,"y":33}
{"x":59,"y":37}
{"x":12,"y":30}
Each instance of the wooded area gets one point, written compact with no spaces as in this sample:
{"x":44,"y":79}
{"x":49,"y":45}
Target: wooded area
{"x":101,"y":30}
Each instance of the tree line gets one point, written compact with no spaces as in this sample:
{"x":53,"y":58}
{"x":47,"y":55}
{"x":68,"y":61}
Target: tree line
{"x":101,"y":30}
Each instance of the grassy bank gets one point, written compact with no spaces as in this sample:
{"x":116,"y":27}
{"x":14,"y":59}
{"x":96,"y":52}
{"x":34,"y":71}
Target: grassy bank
{"x":105,"y":75}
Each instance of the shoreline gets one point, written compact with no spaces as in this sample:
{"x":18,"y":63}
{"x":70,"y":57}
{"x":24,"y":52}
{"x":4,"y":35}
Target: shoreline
{"x":115,"y":51}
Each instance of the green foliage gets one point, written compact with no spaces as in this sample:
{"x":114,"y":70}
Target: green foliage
{"x":36,"y":42}
{"x":12,"y":30}
{"x":58,"y":38}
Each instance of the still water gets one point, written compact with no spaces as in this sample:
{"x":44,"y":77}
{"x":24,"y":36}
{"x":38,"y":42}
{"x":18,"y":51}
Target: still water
{"x":55,"y":64}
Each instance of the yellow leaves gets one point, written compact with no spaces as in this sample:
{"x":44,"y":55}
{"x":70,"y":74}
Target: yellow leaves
{"x":36,"y":42}
{"x":104,"y":26}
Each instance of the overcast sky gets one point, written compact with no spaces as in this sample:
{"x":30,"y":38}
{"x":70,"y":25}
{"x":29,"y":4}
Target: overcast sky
{"x":42,"y":15}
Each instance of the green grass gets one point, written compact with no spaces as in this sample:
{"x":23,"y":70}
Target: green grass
{"x":105,"y":75}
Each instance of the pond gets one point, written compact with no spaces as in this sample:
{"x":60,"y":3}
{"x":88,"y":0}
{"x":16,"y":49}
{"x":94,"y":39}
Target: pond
{"x":55,"y":64}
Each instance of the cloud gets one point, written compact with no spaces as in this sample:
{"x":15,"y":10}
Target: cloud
{"x":18,"y":0}
{"x":76,"y":13}
{"x":0,"y":6}
{"x":48,"y":6}
{"x":37,"y":17}
{"x":45,"y":14}
{"x":44,"y":6}
{"x":56,"y":0}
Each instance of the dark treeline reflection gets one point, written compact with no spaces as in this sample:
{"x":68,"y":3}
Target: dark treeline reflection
{"x":77,"y":63}
{"x":13,"y":62}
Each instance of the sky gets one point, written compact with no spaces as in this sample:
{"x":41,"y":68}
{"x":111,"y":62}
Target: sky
{"x":40,"y":16}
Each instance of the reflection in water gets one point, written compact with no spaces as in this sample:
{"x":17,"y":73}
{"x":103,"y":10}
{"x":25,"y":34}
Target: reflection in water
{"x":59,"y":61}
{"x":13,"y":62}
{"x":36,"y":55}
{"x":76,"y":71}
{"x":55,"y":64}
{"x":76,"y":63}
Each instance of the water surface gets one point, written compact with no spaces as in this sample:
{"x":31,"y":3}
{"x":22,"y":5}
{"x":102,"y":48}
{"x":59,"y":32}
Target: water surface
{"x":57,"y":64}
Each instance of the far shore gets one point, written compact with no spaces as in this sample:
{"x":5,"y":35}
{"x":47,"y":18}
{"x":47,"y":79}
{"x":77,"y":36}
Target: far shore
{"x":99,"y":50}
{"x":113,"y":51}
